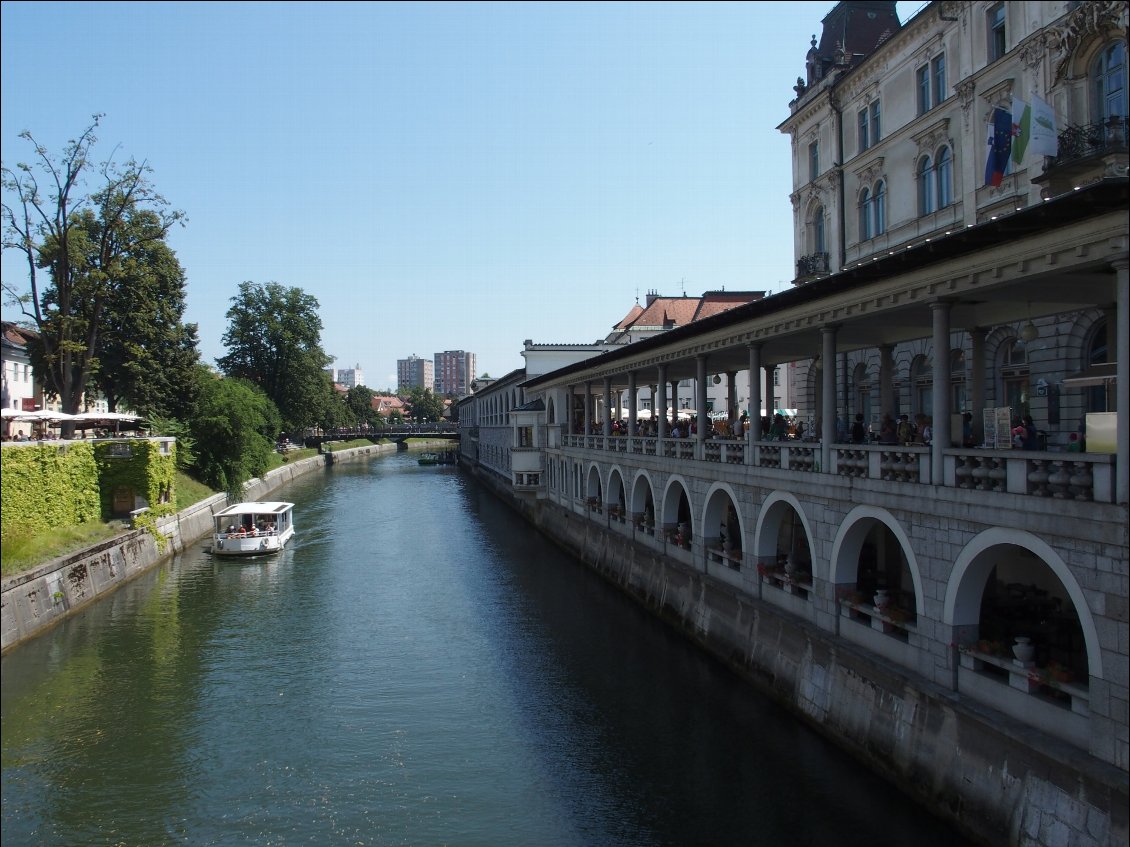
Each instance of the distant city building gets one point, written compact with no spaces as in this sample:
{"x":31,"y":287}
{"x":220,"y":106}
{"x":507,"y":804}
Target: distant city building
{"x":454,"y":372}
{"x":414,"y":372}
{"x":350,"y":377}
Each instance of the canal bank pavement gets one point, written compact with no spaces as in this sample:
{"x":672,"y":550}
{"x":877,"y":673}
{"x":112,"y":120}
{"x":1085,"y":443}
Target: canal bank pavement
{"x":37,"y":599}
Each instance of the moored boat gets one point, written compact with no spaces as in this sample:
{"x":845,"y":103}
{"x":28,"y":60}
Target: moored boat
{"x":252,"y":529}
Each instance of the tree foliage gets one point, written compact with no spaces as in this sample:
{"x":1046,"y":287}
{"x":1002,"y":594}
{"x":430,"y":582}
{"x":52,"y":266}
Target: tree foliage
{"x":80,"y":248}
{"x":274,"y":341}
{"x":360,"y":400}
{"x":233,"y":430}
{"x":426,"y":406}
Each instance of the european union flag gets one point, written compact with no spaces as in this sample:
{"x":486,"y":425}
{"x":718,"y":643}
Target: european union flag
{"x":1000,"y":147}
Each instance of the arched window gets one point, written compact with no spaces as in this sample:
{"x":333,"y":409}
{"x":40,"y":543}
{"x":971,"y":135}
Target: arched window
{"x":1100,"y":398}
{"x":865,"y":214}
{"x":958,"y":397}
{"x":925,"y":186}
{"x":1014,"y":376}
{"x":861,"y":382}
{"x":943,"y":170}
{"x":818,"y":242}
{"x":1108,"y":75}
{"x":880,"y":205}
{"x":922,"y":384}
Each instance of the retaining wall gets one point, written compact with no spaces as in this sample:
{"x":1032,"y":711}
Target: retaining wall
{"x":996,"y":779}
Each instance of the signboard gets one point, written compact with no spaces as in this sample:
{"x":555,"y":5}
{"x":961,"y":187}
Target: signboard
{"x":998,"y":427}
{"x":27,"y":404}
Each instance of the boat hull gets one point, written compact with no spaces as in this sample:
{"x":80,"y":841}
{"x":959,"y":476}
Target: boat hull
{"x":234,"y":545}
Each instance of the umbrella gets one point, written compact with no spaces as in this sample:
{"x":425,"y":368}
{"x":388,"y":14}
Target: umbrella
{"x":9,"y":414}
{"x":42,"y":415}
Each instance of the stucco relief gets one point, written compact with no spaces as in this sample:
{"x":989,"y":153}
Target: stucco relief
{"x":1088,"y":21}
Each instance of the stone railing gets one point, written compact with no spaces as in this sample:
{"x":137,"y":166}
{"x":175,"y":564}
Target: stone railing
{"x":1086,"y":477}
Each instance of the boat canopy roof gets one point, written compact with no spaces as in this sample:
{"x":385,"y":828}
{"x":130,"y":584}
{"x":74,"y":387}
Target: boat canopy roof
{"x":255,"y":508}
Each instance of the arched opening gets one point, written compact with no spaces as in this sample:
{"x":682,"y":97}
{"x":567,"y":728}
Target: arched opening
{"x":593,"y":490}
{"x":882,"y":575}
{"x":1022,"y":598}
{"x":643,"y":505}
{"x":722,"y":527}
{"x":617,"y":505}
{"x":677,"y":516}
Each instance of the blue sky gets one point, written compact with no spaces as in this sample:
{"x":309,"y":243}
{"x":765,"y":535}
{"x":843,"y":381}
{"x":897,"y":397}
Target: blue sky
{"x":439,"y":176}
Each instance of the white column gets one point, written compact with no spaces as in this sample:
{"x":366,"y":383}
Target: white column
{"x":700,"y":403}
{"x":1122,"y":385}
{"x":633,"y":402}
{"x":977,"y":396}
{"x":606,"y":426}
{"x":755,"y":385}
{"x":588,"y":408}
{"x":828,"y":390}
{"x":660,"y":410}
{"x":940,"y":313}
{"x":886,"y":380}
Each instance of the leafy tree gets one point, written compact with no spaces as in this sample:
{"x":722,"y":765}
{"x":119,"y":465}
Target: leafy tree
{"x":234,"y":430}
{"x":76,"y":245}
{"x":360,"y":400}
{"x":146,"y":354}
{"x":274,"y":341}
{"x":426,"y":406}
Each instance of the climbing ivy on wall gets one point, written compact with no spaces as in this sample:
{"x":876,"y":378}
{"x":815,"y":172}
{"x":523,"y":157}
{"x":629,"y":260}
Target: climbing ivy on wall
{"x":140,"y":466}
{"x":51,"y":485}
{"x":47,"y":485}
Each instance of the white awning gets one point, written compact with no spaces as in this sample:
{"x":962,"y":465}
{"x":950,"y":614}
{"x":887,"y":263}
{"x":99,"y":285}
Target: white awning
{"x":1093,"y":375}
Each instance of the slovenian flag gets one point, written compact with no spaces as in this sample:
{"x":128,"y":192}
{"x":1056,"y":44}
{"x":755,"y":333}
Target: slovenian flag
{"x":1000,"y":147}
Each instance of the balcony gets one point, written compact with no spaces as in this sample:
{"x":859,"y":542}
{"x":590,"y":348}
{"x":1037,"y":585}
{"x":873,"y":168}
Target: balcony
{"x":814,"y":265}
{"x":1087,"y":153}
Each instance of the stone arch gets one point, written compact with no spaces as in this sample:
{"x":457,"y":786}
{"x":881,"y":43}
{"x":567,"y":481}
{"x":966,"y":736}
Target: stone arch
{"x":848,"y":545}
{"x":593,"y":487}
{"x":642,"y":501}
{"x":616,"y":495}
{"x":676,"y":504}
{"x":776,"y":510}
{"x":722,"y":518}
{"x":962,"y":607}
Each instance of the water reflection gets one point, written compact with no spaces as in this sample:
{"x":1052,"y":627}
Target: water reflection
{"x":418,"y":667}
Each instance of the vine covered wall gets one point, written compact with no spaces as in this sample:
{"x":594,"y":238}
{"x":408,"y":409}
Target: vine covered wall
{"x":47,"y":485}
{"x":145,"y":467}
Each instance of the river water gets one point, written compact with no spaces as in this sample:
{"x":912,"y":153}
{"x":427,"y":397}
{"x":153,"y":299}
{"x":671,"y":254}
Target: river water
{"x":419,"y":667}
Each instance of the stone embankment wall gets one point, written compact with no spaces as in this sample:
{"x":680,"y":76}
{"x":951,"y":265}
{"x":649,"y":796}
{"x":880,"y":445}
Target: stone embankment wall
{"x":32,"y":601}
{"x":999,"y":781}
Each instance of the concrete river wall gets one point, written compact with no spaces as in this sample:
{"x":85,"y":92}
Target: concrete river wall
{"x":998,"y":780}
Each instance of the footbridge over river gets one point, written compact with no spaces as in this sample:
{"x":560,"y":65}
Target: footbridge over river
{"x":397,"y":434}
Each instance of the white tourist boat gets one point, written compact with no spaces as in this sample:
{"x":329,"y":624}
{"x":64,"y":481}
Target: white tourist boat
{"x":252,"y":529}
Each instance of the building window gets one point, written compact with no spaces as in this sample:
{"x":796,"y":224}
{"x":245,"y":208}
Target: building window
{"x":939,"y":73}
{"x":925,"y":186}
{"x":922,"y":380}
{"x":1099,"y":398}
{"x":864,"y":129}
{"x":958,"y":398}
{"x":813,"y":160}
{"x":931,"y":84}
{"x":865,"y":213}
{"x":818,"y":243}
{"x":876,"y":133}
{"x":1014,"y":377}
{"x":1109,"y":75}
{"x":880,"y":205}
{"x":998,"y":44}
{"x":943,"y":170}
